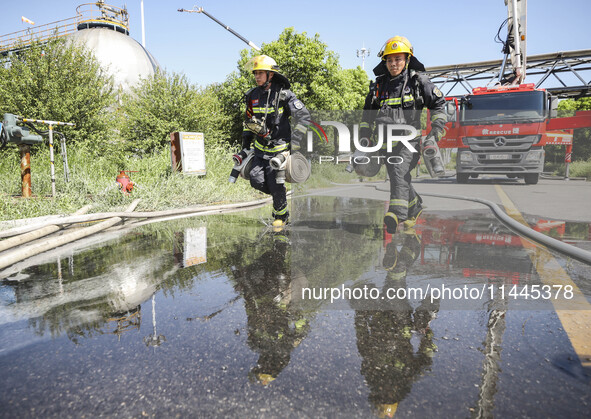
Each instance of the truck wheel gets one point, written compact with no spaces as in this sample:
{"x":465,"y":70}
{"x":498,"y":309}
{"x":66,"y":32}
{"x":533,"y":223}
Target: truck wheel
{"x":462,"y":177}
{"x":531,"y":179}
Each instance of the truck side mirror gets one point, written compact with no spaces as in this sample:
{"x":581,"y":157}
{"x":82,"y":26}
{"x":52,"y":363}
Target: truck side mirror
{"x":450,"y":110}
{"x":553,"y":107}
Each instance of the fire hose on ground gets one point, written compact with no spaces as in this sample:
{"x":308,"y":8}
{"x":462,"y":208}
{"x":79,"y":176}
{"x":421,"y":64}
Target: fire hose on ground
{"x":24,"y":252}
{"x":36,"y":234}
{"x":564,"y":248}
{"x":24,"y":234}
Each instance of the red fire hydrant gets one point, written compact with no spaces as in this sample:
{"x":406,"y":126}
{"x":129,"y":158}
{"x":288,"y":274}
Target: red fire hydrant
{"x":125,"y":183}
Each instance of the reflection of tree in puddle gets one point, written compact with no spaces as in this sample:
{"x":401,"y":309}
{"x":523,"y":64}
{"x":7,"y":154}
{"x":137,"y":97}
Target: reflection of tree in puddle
{"x":269,"y":286}
{"x":385,"y":330}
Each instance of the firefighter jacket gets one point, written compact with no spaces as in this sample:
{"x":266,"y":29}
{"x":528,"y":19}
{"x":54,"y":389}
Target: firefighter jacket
{"x":267,"y":119}
{"x":399,"y":100}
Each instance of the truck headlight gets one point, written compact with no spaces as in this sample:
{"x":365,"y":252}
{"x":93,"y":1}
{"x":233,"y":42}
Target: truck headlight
{"x":535,"y":155}
{"x":466,"y":156}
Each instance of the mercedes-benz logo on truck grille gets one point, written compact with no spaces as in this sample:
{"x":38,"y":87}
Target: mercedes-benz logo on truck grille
{"x":500,"y":141}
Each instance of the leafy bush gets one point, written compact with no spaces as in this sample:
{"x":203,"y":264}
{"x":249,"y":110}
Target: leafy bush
{"x":59,"y":81}
{"x":166,"y":103}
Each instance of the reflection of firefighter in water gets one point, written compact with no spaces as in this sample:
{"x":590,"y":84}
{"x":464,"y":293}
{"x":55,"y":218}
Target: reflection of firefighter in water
{"x":275,"y":326}
{"x":390,"y":364}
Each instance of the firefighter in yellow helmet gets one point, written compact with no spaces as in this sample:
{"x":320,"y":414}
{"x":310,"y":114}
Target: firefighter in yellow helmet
{"x":397,"y":96}
{"x":269,"y":106}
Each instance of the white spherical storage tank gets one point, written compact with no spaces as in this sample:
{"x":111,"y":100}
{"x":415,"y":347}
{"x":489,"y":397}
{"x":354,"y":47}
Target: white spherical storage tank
{"x":120,"y":55}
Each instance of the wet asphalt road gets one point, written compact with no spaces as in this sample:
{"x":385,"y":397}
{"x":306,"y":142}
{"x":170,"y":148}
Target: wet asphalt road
{"x":205,"y":316}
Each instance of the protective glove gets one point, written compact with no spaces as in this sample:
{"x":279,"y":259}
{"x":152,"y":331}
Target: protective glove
{"x":436,"y":134}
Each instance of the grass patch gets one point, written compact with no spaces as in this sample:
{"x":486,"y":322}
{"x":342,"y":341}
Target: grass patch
{"x":581,"y":169}
{"x":92,"y":181}
{"x":577,"y":169}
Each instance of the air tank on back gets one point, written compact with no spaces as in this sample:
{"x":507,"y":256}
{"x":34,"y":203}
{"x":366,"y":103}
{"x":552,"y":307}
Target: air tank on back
{"x":104,"y":30}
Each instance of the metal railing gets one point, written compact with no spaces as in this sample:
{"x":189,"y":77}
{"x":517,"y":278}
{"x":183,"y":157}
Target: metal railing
{"x":577,"y":64}
{"x":87,"y":15}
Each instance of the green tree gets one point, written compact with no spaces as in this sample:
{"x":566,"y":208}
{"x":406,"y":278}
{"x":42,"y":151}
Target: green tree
{"x":166,"y":103}
{"x":59,"y":81}
{"x":581,"y":138}
{"x":356,"y":85}
{"x":313,"y":70}
{"x":582,"y":104}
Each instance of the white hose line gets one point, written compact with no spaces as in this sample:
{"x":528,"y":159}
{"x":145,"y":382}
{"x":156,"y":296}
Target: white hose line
{"x":35,"y":234}
{"x":105,"y":215}
{"x":24,"y":252}
{"x":38,"y":221}
{"x":9,"y":258}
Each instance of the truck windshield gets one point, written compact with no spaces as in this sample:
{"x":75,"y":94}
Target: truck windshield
{"x":518,"y":107}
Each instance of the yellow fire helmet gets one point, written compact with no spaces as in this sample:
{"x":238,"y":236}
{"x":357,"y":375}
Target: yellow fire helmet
{"x":266,"y":63}
{"x":262,"y":62}
{"x":265,"y":379}
{"x":395,"y":45}
{"x":387,"y":410}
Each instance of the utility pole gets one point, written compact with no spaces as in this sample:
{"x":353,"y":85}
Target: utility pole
{"x":363,"y":52}
{"x":143,"y":27}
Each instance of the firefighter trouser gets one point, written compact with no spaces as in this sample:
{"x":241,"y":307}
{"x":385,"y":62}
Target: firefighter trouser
{"x":404,"y":201}
{"x":264,"y":179}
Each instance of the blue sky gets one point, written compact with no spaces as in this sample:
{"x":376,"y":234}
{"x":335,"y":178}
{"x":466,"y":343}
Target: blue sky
{"x":442,"y":32}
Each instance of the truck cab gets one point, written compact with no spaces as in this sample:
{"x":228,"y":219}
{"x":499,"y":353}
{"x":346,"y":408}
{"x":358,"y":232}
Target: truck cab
{"x":501,"y":130}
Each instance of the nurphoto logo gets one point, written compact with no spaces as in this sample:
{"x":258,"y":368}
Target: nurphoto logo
{"x":388,"y":137}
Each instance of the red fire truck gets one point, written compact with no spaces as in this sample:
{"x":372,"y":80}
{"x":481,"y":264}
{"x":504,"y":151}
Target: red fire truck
{"x":502,"y":129}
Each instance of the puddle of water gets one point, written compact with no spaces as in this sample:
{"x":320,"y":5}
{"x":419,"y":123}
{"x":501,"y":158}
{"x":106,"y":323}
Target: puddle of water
{"x":207,"y":316}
